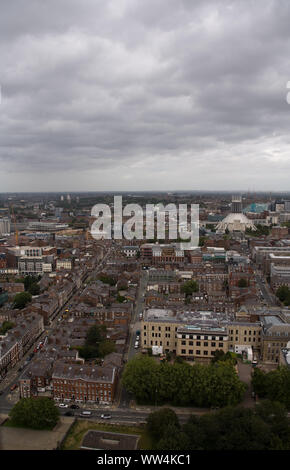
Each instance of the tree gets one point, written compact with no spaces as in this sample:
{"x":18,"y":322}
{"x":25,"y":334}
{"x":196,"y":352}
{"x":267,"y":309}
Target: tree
{"x":157,"y":422}
{"x":6,"y":325}
{"x":182,"y":384}
{"x":274,"y":385}
{"x":189,"y":287}
{"x":36,"y":413}
{"x":239,"y":428}
{"x":283,"y":294}
{"x":107,"y":279}
{"x":34,"y":289}
{"x":243,"y":283}
{"x":106,"y":347}
{"x":96,"y":344}
{"x":21,"y":300}
{"x":173,"y":439}
{"x":220,"y":355}
{"x":140,"y":377}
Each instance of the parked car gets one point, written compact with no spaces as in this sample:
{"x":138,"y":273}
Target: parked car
{"x":106,"y":416}
{"x":74,"y":407}
{"x":86,"y":413}
{"x":63,"y":405}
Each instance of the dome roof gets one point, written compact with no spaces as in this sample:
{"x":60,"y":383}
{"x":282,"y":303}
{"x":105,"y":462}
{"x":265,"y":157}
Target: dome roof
{"x":235,"y":222}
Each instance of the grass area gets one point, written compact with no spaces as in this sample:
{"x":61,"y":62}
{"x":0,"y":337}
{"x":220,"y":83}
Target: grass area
{"x":9,"y":423}
{"x":80,"y":427}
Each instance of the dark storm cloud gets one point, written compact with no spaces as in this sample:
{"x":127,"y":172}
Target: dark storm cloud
{"x":131,"y":94}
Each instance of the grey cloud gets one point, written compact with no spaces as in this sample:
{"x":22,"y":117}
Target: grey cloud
{"x":144,"y":95}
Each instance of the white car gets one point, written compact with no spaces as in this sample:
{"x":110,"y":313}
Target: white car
{"x":62,"y":405}
{"x":106,"y":416}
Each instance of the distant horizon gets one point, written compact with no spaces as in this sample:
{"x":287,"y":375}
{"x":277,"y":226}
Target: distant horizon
{"x":150,"y":191}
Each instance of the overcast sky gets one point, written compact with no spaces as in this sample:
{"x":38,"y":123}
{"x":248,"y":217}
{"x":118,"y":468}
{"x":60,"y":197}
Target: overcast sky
{"x":144,"y":94}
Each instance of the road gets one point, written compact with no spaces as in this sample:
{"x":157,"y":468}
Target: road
{"x":135,"y":325}
{"x":267,"y":294}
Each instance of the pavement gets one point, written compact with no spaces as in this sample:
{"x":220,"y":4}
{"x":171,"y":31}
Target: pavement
{"x":245,"y":375}
{"x":31,"y":439}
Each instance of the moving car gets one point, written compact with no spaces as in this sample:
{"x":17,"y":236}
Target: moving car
{"x":86,"y":413}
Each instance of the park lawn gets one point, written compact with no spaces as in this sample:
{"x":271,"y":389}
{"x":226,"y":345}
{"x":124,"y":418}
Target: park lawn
{"x":80,"y":427}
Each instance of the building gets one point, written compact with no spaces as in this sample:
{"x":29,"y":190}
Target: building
{"x":4,"y":227}
{"x":83,"y":383}
{"x":46,"y":226}
{"x":104,"y":440}
{"x":275,"y":336}
{"x":279,"y":276}
{"x":36,"y":378}
{"x":64,"y":263}
{"x":236,"y":221}
{"x":18,"y":340}
{"x":192,"y":335}
{"x":130,"y":251}
{"x":245,"y":334}
{"x":199,"y":342}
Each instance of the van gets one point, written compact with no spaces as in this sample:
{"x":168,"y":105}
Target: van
{"x":86,"y":413}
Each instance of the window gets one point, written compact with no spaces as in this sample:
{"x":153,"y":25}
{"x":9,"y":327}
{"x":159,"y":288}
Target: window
{"x":221,"y":345}
{"x":212,"y":345}
{"x":183,"y":351}
{"x":198,"y":352}
{"x":205,"y":343}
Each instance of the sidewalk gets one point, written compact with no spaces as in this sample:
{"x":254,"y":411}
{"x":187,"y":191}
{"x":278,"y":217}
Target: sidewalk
{"x":177,"y":410}
{"x":245,"y":375}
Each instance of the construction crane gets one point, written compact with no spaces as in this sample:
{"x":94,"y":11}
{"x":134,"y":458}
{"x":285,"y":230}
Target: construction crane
{"x":15,"y":228}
